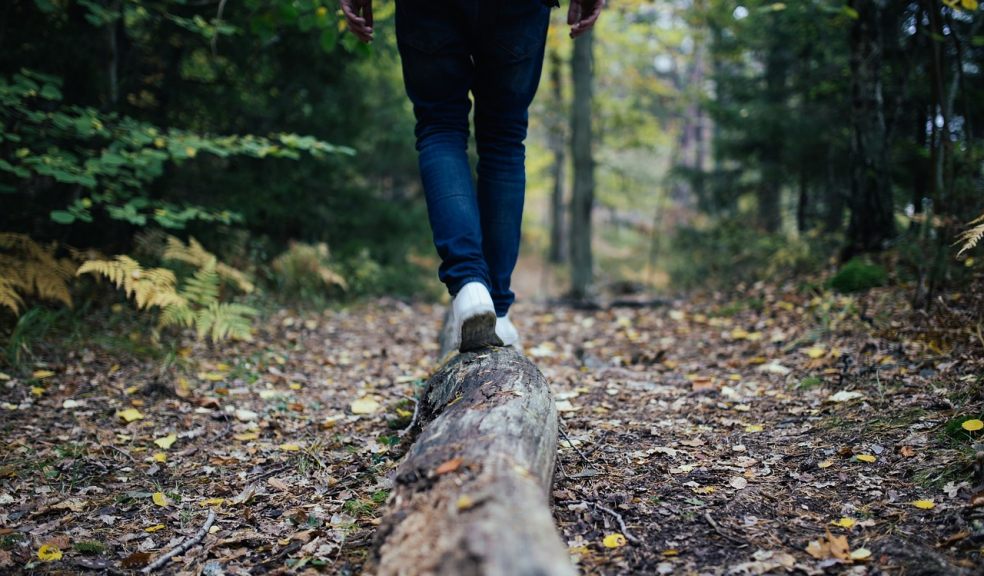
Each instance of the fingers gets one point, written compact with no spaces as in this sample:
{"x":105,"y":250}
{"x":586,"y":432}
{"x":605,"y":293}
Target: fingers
{"x":574,"y":12}
{"x":360,"y":26}
{"x":584,"y":22}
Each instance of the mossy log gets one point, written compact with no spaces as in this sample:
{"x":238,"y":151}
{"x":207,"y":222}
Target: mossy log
{"x":471,"y":496}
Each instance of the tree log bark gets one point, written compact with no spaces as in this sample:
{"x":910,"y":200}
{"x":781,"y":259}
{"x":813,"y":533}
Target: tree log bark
{"x":471,"y":496}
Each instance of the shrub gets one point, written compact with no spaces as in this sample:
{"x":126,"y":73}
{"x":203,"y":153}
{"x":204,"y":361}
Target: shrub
{"x":858,"y":276}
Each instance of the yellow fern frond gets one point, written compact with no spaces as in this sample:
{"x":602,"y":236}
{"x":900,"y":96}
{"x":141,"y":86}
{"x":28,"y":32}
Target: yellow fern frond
{"x":149,"y":288}
{"x":972,"y":235}
{"x":195,"y":254}
{"x":9,"y":297}
{"x":30,"y":269}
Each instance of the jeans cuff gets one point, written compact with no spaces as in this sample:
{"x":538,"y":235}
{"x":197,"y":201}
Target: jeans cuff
{"x":453,"y":290}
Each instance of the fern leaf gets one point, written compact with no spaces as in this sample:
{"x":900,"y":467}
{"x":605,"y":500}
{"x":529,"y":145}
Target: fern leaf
{"x":148,"y":288}
{"x":972,"y":236}
{"x":9,"y":297}
{"x":203,"y":287}
{"x":177,"y":314}
{"x":195,"y":254}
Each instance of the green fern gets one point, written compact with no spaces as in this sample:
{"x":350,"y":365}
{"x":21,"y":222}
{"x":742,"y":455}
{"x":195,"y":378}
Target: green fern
{"x":202,"y":287}
{"x":220,"y":321}
{"x":972,"y":235}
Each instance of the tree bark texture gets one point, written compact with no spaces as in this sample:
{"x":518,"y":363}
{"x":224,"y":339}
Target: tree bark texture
{"x":582,"y":200}
{"x":471,"y":496}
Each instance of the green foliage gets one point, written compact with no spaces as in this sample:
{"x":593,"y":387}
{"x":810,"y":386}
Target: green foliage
{"x":89,"y":547}
{"x":197,"y":304}
{"x":729,"y":251}
{"x":858,"y":276}
{"x":113,"y":158}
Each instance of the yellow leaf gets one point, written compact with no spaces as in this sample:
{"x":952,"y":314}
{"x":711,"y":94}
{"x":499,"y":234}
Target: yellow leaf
{"x":861,"y":554}
{"x":825,"y":464}
{"x":614,"y":541}
{"x":49,"y":553}
{"x":845,"y":522}
{"x":212,"y":502}
{"x":290,"y":447}
{"x":159,"y":457}
{"x":167,"y":441}
{"x":972,"y":425}
{"x":815,"y":351}
{"x":37,"y":390}
{"x":212,"y":376}
{"x":751,"y":428}
{"x":154,"y":528}
{"x":670,"y":552}
{"x":41,"y":375}
{"x":246,"y":436}
{"x":924,"y":504}
{"x":160,"y":499}
{"x":866,"y":458}
{"x":739,"y":334}
{"x":130,"y":414}
{"x":365,"y":406}
{"x":191,"y":152}
{"x":294,"y":386}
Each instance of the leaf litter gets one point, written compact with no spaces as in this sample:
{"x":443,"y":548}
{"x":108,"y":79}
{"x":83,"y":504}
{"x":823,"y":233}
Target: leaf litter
{"x":793,"y":436}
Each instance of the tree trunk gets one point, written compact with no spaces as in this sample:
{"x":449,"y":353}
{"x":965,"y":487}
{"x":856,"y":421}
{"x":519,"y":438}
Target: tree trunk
{"x":770,"y":191}
{"x":872,"y":220}
{"x":471,"y":496}
{"x":558,"y":147}
{"x":582,"y":201}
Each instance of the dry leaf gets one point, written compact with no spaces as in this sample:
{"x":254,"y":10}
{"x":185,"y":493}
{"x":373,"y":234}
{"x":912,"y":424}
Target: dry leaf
{"x":130,"y":415}
{"x":288,"y":447}
{"x":160,"y":499}
{"x":41,"y":375}
{"x":449,"y":466}
{"x":738,"y":483}
{"x":972,"y":425}
{"x":246,"y":436}
{"x":815,"y":351}
{"x":212,"y":502}
{"x":866,"y":458}
{"x":159,"y":457}
{"x":49,"y":553}
{"x":154,"y":528}
{"x":614,"y":541}
{"x":364,"y":406}
{"x":924,"y":504}
{"x":167,"y":441}
{"x":845,"y":522}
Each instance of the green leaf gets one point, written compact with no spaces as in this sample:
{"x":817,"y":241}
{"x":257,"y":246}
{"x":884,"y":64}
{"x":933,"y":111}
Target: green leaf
{"x":329,"y":38}
{"x":62,"y":216}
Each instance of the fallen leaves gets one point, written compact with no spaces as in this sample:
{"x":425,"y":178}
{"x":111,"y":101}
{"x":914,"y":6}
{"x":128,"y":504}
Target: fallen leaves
{"x":166,"y":442}
{"x":924,"y":504}
{"x":972,"y":425}
{"x":365,"y":406}
{"x":868,"y":458}
{"x":130,"y":415}
{"x":448,"y":467}
{"x":160,"y":499}
{"x":837,"y":547}
{"x":615,"y":540}
{"x":49,"y":553}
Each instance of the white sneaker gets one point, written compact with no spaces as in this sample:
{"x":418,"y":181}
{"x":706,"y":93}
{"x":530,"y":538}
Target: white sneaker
{"x":506,"y":332}
{"x":474,"y":318}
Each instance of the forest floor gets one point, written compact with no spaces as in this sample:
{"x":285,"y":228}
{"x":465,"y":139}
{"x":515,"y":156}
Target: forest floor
{"x":786,"y":431}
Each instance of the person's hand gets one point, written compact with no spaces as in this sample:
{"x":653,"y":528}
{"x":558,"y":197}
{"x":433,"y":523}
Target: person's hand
{"x":582,"y":15}
{"x":358,"y":13}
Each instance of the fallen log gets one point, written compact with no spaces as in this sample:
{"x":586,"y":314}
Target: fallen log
{"x":471,"y":496}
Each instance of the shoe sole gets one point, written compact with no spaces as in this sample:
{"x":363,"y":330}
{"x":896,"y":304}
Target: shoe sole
{"x":479,"y":332}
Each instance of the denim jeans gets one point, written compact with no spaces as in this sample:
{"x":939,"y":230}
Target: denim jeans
{"x":492,"y":49}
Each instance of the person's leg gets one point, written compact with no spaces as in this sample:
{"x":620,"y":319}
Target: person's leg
{"x":438,"y":73}
{"x":507,"y":72}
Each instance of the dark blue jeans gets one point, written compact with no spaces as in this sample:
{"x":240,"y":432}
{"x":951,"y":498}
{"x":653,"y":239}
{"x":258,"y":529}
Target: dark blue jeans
{"x":494,"y":50}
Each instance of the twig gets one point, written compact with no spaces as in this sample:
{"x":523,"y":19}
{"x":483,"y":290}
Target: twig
{"x":413,"y":420}
{"x":571,"y":443}
{"x":218,"y":21}
{"x":184,"y":545}
{"x":722,"y":533}
{"x":621,"y":523}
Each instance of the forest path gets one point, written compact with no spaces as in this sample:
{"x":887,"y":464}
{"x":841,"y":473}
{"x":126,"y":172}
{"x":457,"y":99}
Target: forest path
{"x":726,"y":435}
